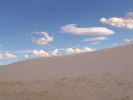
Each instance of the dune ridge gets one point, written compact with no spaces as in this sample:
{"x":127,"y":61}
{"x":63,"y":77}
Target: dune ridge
{"x":99,"y":75}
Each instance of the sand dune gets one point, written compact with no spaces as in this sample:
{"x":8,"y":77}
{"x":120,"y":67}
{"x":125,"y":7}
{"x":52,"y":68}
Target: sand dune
{"x":100,"y":75}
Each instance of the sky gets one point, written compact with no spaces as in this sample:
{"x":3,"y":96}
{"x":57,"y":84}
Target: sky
{"x":47,"y":28}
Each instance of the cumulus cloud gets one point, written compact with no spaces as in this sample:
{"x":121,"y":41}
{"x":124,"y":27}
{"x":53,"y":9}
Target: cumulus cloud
{"x":43,"y":53}
{"x":121,"y":22}
{"x":7,"y":56}
{"x":54,"y":53}
{"x":77,"y":50}
{"x":98,"y":31}
{"x":95,"y":39}
{"x":40,"y":53}
{"x":58,"y":52}
{"x":43,"y":40}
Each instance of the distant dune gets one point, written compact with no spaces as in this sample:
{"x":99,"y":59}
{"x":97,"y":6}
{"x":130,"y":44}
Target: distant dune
{"x":99,"y":75}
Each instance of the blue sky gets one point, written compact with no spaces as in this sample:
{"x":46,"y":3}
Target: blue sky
{"x":24,"y":22}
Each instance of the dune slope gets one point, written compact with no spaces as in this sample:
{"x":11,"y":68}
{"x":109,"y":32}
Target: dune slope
{"x":100,"y":75}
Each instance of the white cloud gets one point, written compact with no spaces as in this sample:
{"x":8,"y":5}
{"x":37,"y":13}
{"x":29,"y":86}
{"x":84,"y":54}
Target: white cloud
{"x":43,"y":53}
{"x":54,"y":52}
{"x":26,"y":56}
{"x":44,"y":39}
{"x":95,"y":43}
{"x":121,"y":22}
{"x":58,"y":52}
{"x":7,"y":56}
{"x":128,"y":40}
{"x":98,"y":31}
{"x":70,"y":50}
{"x":40,"y":53}
{"x":77,"y":50}
{"x":95,"y":39}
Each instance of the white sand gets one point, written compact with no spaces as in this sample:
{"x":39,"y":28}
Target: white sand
{"x":100,"y":75}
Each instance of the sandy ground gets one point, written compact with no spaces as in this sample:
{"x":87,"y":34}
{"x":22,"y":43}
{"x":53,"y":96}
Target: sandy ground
{"x":99,"y":75}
